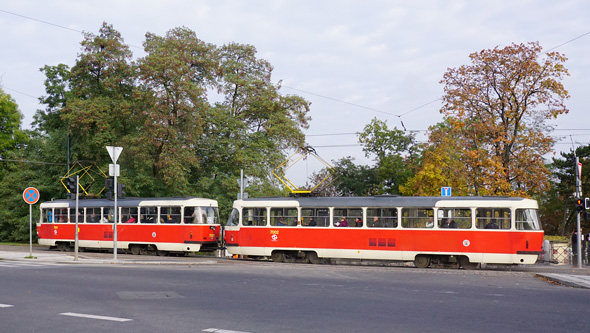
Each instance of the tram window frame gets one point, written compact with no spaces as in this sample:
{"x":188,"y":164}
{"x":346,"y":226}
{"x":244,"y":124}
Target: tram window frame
{"x":81,"y":217}
{"x":148,"y":214}
{"x":500,"y":215}
{"x":170,"y":214}
{"x":234,"y":218}
{"x":254,"y":216}
{"x":211,"y":214}
{"x":416,"y":217}
{"x":525,"y":223}
{"x":350,"y":214}
{"x":321,"y":216}
{"x":96,"y":211}
{"x":107,"y":215}
{"x":46,"y":217}
{"x":127,"y":212}
{"x":387,"y":217}
{"x":61,"y":215}
{"x":462,"y":220}
{"x":286,"y":214}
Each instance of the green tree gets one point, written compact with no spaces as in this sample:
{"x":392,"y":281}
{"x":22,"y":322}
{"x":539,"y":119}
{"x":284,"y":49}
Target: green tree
{"x":188,"y":114}
{"x":557,"y":209}
{"x":15,"y":175}
{"x":10,"y":122}
{"x":396,"y":155}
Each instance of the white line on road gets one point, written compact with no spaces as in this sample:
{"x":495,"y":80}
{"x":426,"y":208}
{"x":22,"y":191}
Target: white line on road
{"x":6,"y":306}
{"x":218,"y":330}
{"x":82,"y":315}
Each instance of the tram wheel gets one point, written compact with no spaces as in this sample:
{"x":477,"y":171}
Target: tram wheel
{"x":162,"y":253}
{"x":277,"y":256}
{"x":135,"y":249}
{"x":465,"y":263}
{"x":63,"y":247}
{"x":313,"y":258}
{"x":422,"y":261}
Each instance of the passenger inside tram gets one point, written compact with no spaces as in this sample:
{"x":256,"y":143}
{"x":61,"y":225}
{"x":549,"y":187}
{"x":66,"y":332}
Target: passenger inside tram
{"x":492,"y":225}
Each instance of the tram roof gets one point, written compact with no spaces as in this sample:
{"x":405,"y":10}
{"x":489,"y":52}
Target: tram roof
{"x":385,"y":200}
{"x":129,"y":201}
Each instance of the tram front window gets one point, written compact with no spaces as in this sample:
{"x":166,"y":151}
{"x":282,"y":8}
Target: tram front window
{"x":234,"y":218}
{"x":210,"y":215}
{"x":526,"y":219}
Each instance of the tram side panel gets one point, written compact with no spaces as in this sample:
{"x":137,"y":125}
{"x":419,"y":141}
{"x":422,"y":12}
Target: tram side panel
{"x":186,"y":238}
{"x":506,"y":247}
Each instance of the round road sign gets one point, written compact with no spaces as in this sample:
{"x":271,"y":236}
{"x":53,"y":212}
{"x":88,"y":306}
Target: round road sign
{"x":31,"y":195}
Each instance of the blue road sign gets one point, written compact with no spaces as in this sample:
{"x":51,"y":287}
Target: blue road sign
{"x":445,"y":191}
{"x":31,"y":195}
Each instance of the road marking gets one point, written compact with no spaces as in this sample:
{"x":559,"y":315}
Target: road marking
{"x":6,"y":306}
{"x":82,"y":315}
{"x":219,"y":330}
{"x":21,"y":264}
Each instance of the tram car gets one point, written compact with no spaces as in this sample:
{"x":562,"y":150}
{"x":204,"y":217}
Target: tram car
{"x":457,"y":231}
{"x":144,"y":225}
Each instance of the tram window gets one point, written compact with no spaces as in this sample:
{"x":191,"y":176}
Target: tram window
{"x":417,"y":217}
{"x":234,"y":218}
{"x":382,"y":217}
{"x":283,"y":217}
{"x":526,"y":219}
{"x":492,"y":218}
{"x":107,"y":215}
{"x":61,"y":215}
{"x":129,"y":214}
{"x":255,"y":216}
{"x":459,"y":218}
{"x":92,"y":215}
{"x":210,"y":215}
{"x":170,"y":215}
{"x":346,"y":214}
{"x":47,"y":215}
{"x":194,"y":215}
{"x":315,"y":217}
{"x":80,"y":216}
{"x":148,"y":214}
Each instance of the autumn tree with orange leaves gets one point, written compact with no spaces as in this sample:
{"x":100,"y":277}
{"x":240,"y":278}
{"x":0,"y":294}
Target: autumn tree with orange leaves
{"x":495,"y":134}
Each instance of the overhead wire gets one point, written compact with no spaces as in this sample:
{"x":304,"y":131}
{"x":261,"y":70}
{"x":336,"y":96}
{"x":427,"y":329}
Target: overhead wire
{"x":296,"y":89}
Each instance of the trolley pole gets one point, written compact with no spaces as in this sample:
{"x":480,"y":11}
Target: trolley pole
{"x":578,"y":196}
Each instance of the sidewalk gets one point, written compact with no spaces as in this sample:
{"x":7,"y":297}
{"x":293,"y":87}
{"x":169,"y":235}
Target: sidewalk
{"x":68,"y":258}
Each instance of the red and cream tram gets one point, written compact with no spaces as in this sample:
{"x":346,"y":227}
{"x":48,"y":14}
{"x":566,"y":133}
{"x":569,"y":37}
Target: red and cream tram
{"x":156,"y":225}
{"x":461,"y":231}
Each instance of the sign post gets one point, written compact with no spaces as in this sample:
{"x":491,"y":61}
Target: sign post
{"x":114,"y":152}
{"x":31,"y":196}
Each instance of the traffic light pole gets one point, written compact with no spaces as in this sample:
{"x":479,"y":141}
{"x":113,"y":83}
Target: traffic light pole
{"x":76,"y":240}
{"x":578,"y":196}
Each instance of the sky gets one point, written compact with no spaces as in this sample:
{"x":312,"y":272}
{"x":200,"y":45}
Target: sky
{"x":353,"y":60}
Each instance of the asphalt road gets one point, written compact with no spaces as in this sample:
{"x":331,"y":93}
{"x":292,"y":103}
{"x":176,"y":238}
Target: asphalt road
{"x":244,"y":296}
